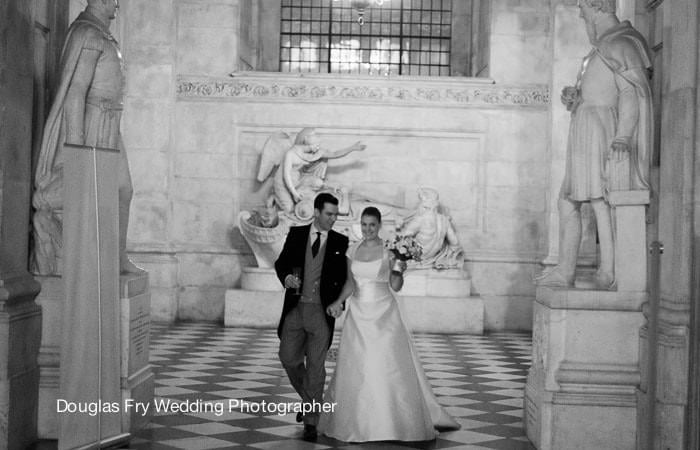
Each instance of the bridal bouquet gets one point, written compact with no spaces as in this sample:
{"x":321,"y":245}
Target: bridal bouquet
{"x":404,"y":248}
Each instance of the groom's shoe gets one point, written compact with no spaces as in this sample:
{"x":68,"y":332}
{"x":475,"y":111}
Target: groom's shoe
{"x":310,"y":433}
{"x":300,"y":417}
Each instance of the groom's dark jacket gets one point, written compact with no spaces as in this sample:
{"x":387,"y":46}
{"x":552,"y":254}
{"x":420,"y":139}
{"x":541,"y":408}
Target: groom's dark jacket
{"x":333,"y":272}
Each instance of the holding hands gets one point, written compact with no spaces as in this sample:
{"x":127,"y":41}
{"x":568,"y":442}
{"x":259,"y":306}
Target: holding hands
{"x":293,"y":280}
{"x":399,"y":266}
{"x":335,"y":309}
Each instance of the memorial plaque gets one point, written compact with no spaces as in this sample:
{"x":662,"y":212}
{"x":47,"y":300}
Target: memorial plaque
{"x":137,"y":378}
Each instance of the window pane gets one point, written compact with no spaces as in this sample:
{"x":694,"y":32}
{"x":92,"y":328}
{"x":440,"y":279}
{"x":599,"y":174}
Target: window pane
{"x":373,"y":47}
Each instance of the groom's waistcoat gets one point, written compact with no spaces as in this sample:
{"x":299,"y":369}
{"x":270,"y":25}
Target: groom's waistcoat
{"x":311,"y":285}
{"x":333,"y":268}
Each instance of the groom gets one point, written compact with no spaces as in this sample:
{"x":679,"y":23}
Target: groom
{"x":312,"y":267}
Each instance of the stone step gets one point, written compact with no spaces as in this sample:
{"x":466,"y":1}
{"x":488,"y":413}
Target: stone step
{"x":426,"y":314}
{"x":420,"y":282}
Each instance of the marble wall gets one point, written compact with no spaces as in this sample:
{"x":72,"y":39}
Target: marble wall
{"x":480,"y":38}
{"x":194,"y":135}
{"x":520,"y":41}
{"x":74,"y":8}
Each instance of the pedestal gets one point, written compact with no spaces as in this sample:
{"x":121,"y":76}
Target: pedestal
{"x":257,"y":279}
{"x":432,"y":302}
{"x":137,"y":377}
{"x":440,"y":301}
{"x":581,"y":387}
{"x":89,"y":367}
{"x":20,"y":334}
{"x":629,"y":213}
{"x":51,"y":301}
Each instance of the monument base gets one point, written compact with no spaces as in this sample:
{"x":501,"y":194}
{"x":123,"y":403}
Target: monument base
{"x":432,"y":302}
{"x":51,"y":301}
{"x":257,"y":279}
{"x":20,"y":327}
{"x":137,"y":378}
{"x":581,"y":387}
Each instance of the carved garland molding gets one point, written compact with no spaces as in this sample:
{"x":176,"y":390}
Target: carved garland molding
{"x":478,"y":95}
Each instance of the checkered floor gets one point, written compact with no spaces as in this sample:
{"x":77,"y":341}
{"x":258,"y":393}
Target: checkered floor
{"x":479,"y":379}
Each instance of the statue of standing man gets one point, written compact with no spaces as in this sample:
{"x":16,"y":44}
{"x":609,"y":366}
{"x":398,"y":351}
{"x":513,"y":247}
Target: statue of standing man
{"x":611,"y":127}
{"x":86,"y":111}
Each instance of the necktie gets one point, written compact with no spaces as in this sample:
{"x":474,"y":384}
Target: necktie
{"x":316,"y":245}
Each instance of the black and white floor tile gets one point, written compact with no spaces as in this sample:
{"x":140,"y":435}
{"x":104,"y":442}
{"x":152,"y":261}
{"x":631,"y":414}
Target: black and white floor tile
{"x":480,"y":380}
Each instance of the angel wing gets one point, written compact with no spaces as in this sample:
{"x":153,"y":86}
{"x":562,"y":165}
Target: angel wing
{"x":272,"y":153}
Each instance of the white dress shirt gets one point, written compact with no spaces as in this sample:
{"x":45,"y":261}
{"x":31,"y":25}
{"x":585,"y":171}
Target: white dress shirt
{"x":312,"y":235}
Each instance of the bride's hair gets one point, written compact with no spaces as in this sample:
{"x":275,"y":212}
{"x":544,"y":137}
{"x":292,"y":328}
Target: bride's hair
{"x":373,"y":212}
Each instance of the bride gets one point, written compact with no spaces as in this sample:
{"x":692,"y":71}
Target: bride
{"x":381,"y":391}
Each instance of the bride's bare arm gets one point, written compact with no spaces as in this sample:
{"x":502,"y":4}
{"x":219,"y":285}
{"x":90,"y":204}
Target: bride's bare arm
{"x":348,"y":287}
{"x":396,"y":281}
{"x":336,"y":308}
{"x":395,"y":278}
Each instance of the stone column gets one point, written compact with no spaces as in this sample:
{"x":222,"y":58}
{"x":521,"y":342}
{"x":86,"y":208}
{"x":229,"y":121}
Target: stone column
{"x":20,"y":317}
{"x":150,"y":47}
{"x":678,"y":231}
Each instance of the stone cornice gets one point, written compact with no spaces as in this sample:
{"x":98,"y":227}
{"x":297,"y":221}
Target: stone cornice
{"x":428,"y":91}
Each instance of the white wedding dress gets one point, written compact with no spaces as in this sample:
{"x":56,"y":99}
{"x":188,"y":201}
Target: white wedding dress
{"x":379,"y":385}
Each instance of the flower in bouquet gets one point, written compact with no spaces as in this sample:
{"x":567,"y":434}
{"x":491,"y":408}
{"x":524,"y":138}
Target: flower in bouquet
{"x":405,"y":248}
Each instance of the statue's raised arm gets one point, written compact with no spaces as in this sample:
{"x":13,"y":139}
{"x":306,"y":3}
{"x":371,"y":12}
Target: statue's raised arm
{"x":331,"y":154}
